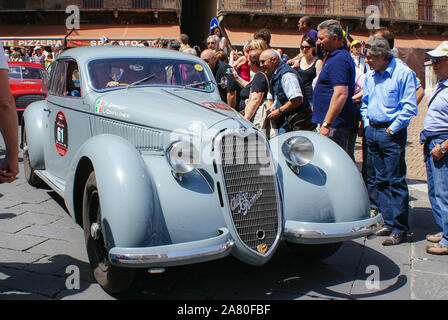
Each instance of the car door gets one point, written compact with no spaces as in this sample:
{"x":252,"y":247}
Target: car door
{"x":67,"y":119}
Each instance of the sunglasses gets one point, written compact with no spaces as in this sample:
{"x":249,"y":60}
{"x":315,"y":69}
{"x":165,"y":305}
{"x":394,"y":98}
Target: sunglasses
{"x":264,"y":61}
{"x":211,"y":42}
{"x":305,"y":47}
{"x":207,"y":60}
{"x":437,"y":61}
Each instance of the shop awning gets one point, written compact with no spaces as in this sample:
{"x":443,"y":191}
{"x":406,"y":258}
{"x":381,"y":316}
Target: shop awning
{"x":87,"y":35}
{"x":289,"y":38}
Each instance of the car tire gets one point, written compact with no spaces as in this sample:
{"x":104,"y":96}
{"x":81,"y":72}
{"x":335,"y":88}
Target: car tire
{"x":28,"y":170}
{"x":314,"y":251}
{"x":113,"y":279}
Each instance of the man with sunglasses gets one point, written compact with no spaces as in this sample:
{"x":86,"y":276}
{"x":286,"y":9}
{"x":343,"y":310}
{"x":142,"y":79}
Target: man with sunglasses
{"x":213,"y":42}
{"x":389,"y":102}
{"x":434,"y":138}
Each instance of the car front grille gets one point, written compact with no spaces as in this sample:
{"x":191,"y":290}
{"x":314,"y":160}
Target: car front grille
{"x":251,"y":187}
{"x":23,"y":101}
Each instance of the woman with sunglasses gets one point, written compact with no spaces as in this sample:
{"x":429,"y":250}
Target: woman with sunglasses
{"x":308,"y":66}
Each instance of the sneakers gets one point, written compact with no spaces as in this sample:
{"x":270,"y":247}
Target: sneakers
{"x":393,"y":240}
{"x":434,"y":237}
{"x":437,"y":249}
{"x":384,"y":232}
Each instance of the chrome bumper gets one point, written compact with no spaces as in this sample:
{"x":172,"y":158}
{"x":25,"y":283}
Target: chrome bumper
{"x":316,"y":233}
{"x":174,"y":254}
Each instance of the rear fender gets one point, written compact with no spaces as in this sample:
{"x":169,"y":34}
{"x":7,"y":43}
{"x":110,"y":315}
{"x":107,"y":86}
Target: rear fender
{"x":330,"y":189}
{"x":131,"y":214}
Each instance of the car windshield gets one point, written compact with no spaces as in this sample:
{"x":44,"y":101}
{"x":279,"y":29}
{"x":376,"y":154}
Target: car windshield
{"x":26,"y":73}
{"x":134,"y":72}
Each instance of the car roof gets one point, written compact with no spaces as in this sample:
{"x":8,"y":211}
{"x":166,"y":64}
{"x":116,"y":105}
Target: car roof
{"x":25,"y":64}
{"x":85,"y":54}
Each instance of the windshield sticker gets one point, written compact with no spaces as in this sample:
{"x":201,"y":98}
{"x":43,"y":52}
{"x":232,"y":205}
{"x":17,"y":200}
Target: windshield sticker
{"x":61,"y":134}
{"x":215,"y":105}
{"x":136,"y":67}
{"x":198,"y":67}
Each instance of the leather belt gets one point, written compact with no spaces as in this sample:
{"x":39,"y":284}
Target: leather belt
{"x":379,"y":125}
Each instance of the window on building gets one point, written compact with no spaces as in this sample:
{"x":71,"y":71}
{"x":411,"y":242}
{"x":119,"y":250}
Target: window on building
{"x":141,"y":4}
{"x":254,"y":3}
{"x":315,"y":6}
{"x":366,"y":3}
{"x":13,"y":4}
{"x":425,"y":10}
{"x":92,"y":4}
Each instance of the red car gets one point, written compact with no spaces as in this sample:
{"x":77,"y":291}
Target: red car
{"x":28,"y":83}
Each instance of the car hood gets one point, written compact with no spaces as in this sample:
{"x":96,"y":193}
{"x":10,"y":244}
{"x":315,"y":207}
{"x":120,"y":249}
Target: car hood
{"x":167,"y":108}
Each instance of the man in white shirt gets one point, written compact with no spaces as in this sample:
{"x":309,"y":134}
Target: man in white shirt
{"x":9,"y":167}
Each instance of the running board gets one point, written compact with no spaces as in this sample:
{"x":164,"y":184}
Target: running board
{"x":57,"y":184}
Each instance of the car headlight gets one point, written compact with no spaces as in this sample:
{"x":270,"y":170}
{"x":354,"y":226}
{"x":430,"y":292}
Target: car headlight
{"x":182,"y":156}
{"x":298,"y":151}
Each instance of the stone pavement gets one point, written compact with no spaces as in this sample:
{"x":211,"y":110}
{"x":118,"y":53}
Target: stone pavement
{"x":39,"y":241}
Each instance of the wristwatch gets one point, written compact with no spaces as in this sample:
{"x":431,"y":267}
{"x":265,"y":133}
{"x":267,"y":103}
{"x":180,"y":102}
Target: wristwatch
{"x":442,"y":149}
{"x":280,"y":110}
{"x":326,"y":124}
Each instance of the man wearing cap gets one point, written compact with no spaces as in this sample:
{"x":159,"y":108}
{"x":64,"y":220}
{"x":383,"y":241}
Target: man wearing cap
{"x":388,"y":104}
{"x":9,"y":166}
{"x":38,"y":56}
{"x":434,"y":138}
{"x":358,"y":59}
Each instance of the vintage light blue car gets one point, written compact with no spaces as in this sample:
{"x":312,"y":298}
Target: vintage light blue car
{"x":160,"y":172}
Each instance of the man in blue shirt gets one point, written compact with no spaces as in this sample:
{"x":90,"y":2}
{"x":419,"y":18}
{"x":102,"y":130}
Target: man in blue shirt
{"x":435,"y":140}
{"x":333,"y":107}
{"x":389,"y":101}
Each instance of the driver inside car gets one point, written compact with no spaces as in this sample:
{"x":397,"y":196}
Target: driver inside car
{"x":105,"y":76}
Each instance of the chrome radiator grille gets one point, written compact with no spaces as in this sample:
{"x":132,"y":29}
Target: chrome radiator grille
{"x":250,"y":184}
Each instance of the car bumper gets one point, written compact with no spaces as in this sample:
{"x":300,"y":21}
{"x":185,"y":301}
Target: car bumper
{"x":317,"y":233}
{"x":174,"y":254}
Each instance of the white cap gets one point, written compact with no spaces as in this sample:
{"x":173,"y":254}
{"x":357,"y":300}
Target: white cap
{"x":440,"y":51}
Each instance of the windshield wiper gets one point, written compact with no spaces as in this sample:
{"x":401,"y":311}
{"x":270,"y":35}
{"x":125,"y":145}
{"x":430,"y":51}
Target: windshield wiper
{"x":141,"y":80}
{"x":196,"y":84}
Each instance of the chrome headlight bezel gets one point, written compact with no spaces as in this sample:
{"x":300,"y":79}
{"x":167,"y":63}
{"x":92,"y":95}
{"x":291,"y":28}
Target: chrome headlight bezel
{"x":298,"y":151}
{"x":182,"y":156}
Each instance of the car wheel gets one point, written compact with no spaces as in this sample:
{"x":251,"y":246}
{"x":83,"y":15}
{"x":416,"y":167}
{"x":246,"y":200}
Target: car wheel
{"x":314,"y":251}
{"x":30,"y":176}
{"x":113,"y":279}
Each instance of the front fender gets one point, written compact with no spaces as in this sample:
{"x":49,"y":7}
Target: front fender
{"x":131,"y":215}
{"x":328,"y":190}
{"x":33,"y":120}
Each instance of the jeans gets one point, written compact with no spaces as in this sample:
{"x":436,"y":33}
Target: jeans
{"x":352,"y":142}
{"x":368,"y":174}
{"x":341,"y":136}
{"x":437,"y":173}
{"x":387,"y":154}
